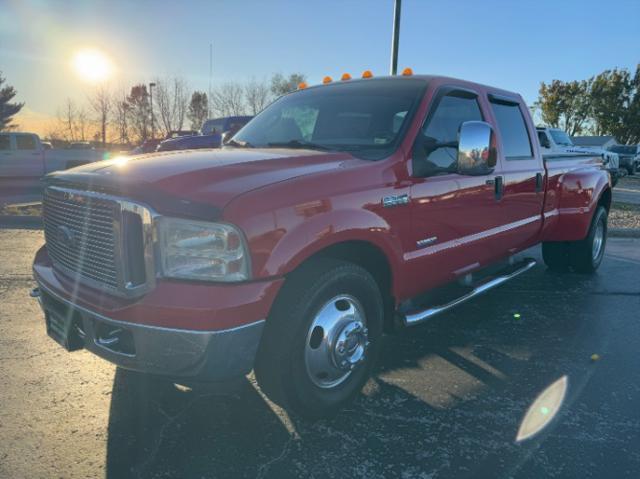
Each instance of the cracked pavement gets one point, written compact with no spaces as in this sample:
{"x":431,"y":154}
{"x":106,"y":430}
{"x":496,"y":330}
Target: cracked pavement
{"x":446,"y":401}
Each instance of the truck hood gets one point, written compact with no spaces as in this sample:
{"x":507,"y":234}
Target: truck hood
{"x":198,"y":181}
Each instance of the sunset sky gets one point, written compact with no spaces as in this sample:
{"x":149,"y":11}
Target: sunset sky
{"x":510,"y":44}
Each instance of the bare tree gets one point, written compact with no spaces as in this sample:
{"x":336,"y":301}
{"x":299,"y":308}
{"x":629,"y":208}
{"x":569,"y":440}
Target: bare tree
{"x":171,"y":103}
{"x":257,"y":95}
{"x":66,"y":118}
{"x":82,"y":124}
{"x":72,"y":122}
{"x":228,"y":100}
{"x":101,"y":102}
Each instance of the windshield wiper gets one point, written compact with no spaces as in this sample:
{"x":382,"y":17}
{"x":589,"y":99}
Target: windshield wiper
{"x":238,"y":143}
{"x":299,"y":144}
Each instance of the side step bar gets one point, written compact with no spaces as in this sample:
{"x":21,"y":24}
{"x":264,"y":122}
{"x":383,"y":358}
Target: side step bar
{"x":422,"y":316}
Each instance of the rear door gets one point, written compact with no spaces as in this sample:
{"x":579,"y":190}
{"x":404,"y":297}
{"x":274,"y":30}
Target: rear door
{"x":523,"y":174}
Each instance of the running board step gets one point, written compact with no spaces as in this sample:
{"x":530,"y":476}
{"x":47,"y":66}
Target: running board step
{"x":418,"y":317}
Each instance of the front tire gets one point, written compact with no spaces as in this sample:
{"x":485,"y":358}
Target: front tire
{"x":585,"y":256}
{"x":321,"y":338}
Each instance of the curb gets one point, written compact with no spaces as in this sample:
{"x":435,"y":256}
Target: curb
{"x":23,"y":222}
{"x":624,"y":232}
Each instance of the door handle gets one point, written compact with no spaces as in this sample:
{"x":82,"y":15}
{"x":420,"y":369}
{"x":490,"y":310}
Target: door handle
{"x":539,"y":182}
{"x":498,"y":187}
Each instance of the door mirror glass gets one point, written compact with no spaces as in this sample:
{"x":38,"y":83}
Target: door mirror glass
{"x":475,"y":156}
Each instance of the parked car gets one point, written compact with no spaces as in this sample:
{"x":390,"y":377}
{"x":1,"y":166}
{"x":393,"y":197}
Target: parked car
{"x":557,"y":144}
{"x":629,"y":157}
{"x":147,"y":146}
{"x":212,"y":134}
{"x":24,"y":160}
{"x":178,"y":133}
{"x":339,"y":212}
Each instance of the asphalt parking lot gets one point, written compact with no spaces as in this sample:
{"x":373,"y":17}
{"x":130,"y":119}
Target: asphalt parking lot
{"x":447,"y":399}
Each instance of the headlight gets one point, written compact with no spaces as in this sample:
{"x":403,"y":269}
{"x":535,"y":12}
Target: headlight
{"x":202,"y":250}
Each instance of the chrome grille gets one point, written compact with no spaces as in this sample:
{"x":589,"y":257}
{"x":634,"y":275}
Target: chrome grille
{"x":80,"y":232}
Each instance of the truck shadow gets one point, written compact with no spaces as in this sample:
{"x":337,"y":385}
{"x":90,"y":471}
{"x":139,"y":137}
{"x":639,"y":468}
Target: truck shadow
{"x":447,"y":398}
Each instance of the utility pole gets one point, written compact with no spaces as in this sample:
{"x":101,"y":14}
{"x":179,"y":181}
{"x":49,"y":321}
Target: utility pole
{"x":210,"y":75}
{"x":151,"y":85}
{"x":395,"y":39}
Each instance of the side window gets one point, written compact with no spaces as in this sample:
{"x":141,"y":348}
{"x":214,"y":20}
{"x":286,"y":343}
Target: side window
{"x":442,"y":127}
{"x":5,"y":142}
{"x":513,"y":130}
{"x":25,"y":142}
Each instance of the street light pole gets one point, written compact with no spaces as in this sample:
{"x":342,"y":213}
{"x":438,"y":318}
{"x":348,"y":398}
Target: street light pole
{"x":151,"y":85}
{"x":395,"y":39}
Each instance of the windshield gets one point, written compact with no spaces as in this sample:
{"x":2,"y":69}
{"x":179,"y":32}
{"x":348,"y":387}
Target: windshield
{"x":625,"y":150}
{"x":561,"y":138}
{"x":366,"y":118}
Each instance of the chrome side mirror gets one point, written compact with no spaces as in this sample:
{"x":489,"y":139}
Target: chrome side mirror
{"x":475,"y":155}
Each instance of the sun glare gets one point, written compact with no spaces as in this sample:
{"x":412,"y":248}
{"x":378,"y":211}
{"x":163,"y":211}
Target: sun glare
{"x":92,"y":65}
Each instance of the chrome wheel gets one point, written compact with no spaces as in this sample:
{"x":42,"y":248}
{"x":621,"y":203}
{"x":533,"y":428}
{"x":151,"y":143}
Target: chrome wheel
{"x":336,"y":342}
{"x":598,"y":241}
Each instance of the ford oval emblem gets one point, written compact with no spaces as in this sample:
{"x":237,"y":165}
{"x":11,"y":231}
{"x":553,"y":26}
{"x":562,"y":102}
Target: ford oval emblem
{"x":66,"y":237}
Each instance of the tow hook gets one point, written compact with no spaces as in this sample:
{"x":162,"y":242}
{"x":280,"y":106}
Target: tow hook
{"x":35,"y":293}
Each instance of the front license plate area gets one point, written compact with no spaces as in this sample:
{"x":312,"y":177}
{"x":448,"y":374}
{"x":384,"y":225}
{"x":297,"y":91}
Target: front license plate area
{"x":63,"y":324}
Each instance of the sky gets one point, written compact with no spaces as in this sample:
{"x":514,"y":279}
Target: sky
{"x":514,"y":44}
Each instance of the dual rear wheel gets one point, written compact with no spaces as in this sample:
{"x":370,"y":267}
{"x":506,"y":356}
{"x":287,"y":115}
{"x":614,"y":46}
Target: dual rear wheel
{"x":582,"y":256}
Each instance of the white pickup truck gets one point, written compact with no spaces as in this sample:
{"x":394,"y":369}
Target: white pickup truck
{"x":556,"y":143}
{"x":24,"y":160}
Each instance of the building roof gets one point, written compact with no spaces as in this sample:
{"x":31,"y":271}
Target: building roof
{"x":592,"y":140}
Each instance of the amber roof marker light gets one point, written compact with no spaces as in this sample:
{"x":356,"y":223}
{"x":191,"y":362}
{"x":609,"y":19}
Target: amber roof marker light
{"x":407,"y":72}
{"x":345,"y":77}
{"x":327,"y":79}
{"x":367,"y":74}
{"x":302,"y":85}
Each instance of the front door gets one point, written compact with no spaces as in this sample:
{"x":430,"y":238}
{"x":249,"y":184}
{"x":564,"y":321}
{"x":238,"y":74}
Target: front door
{"x":454,"y":217}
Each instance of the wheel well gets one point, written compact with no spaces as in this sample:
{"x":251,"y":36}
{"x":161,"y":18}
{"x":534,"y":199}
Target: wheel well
{"x":371,"y":258}
{"x":605,"y":199}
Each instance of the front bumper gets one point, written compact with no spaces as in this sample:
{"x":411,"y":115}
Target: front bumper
{"x":181,"y":330}
{"x":173,"y":353}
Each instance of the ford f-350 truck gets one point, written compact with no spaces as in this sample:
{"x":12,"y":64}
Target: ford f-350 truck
{"x":340,"y":212}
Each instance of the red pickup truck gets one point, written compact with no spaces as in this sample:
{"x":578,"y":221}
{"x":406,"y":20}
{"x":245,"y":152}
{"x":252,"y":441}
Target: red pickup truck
{"x":340,"y":212}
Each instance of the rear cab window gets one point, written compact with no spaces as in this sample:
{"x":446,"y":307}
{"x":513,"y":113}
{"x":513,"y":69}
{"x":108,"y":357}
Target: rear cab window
{"x":516,"y":144}
{"x":25,"y":142}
